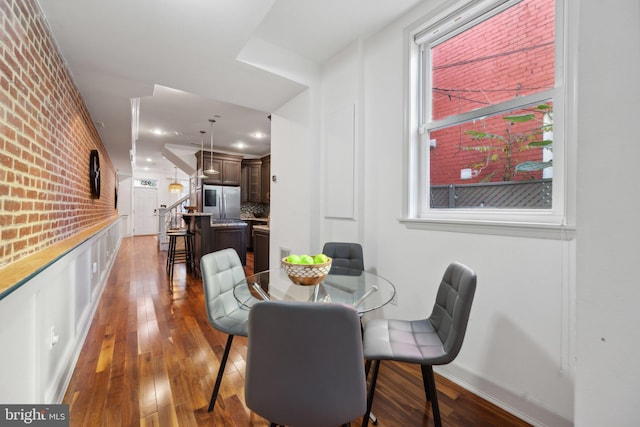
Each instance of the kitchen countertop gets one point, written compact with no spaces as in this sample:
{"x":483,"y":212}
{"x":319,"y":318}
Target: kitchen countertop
{"x":261,"y":227}
{"x":228,"y":223}
{"x":213,"y":222}
{"x":253,"y":218}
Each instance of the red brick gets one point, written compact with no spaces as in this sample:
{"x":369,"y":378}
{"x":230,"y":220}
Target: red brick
{"x":530,"y":69}
{"x":9,"y":233}
{"x":19,"y":245}
{"x":35,"y":84}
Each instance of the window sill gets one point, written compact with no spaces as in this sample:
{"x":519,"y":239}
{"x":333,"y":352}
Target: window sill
{"x":496,"y":228}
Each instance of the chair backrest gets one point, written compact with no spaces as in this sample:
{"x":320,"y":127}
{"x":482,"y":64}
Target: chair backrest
{"x":221,"y":270}
{"x":344,"y":255}
{"x":305,"y":363}
{"x":451,"y":310}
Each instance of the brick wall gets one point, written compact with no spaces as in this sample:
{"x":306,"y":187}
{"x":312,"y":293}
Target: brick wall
{"x":46,"y":135}
{"x":509,"y":55}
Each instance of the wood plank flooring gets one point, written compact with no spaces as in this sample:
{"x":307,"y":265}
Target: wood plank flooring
{"x":150,"y":359}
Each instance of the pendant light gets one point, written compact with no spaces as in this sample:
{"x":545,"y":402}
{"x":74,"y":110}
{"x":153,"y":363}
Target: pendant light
{"x":211,"y":170}
{"x":175,"y":186}
{"x":202,"y":175}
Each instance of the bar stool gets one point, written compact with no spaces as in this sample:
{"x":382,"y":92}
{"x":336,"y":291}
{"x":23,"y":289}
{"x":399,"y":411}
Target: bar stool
{"x":176,"y":255}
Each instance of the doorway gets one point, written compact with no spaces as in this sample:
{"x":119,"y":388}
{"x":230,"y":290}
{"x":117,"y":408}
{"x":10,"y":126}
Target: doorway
{"x":145,"y":211}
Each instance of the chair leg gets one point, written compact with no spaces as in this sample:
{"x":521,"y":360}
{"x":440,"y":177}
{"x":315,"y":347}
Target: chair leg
{"x":168,"y":254}
{"x":170,"y":261}
{"x":223,"y":363}
{"x":430,"y":389}
{"x":425,"y":381}
{"x":367,"y":368}
{"x":192,"y":254}
{"x":372,"y":389}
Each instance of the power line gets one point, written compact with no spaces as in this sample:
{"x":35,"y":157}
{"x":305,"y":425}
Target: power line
{"x":497,"y":55}
{"x":514,"y":89}
{"x":456,"y":93}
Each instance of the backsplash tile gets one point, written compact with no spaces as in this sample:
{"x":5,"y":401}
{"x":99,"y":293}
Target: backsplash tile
{"x":254,"y":208}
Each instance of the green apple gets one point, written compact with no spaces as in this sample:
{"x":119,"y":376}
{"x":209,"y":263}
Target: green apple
{"x":306,"y":259}
{"x":320,"y":259}
{"x":293,"y":259}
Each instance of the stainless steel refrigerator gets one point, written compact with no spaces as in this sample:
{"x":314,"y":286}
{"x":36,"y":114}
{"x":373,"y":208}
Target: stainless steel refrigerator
{"x":223,"y":202}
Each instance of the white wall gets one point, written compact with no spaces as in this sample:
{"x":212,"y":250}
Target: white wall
{"x":553,"y":328}
{"x":292,"y":165}
{"x":518,"y":347}
{"x":608,"y":291}
{"x":342,"y":199}
{"x":519,"y":350}
{"x":125,"y":204}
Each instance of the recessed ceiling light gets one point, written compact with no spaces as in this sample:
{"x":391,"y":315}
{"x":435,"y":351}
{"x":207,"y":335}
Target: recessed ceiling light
{"x":149,"y":159}
{"x":258,"y":135}
{"x":241,"y":145}
{"x":157,"y":132}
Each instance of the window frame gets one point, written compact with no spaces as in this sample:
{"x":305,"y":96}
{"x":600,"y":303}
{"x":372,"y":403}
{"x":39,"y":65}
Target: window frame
{"x":541,"y":223}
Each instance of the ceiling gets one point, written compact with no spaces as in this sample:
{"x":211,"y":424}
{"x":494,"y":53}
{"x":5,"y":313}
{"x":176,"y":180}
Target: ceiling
{"x":188,"y":61}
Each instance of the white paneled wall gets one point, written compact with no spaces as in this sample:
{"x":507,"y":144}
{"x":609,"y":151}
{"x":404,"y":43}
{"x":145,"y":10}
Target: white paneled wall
{"x":43,"y":323}
{"x":518,"y":352}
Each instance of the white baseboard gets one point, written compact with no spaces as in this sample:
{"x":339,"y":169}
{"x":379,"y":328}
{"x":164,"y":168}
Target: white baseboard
{"x":516,"y":404}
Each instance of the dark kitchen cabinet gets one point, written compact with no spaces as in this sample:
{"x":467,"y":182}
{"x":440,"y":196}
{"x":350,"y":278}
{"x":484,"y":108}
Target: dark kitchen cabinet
{"x":260,"y":248}
{"x":250,"y":224}
{"x":251,"y":180}
{"x":265,"y":174}
{"x":231,"y":237}
{"x":229,"y":168}
{"x":244,"y":184}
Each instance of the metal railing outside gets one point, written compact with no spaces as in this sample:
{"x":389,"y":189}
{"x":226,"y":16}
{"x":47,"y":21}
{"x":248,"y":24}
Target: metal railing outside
{"x":534,"y":194}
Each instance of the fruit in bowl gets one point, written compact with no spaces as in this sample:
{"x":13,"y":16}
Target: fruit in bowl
{"x":305,"y":269}
{"x":320,"y":259}
{"x":306,"y":259}
{"x":293,"y":259}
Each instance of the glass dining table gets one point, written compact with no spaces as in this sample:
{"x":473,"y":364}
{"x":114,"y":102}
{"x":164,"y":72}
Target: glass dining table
{"x":363,"y":290}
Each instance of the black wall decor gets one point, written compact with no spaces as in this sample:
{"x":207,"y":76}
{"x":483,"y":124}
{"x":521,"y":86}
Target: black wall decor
{"x":94,"y":174}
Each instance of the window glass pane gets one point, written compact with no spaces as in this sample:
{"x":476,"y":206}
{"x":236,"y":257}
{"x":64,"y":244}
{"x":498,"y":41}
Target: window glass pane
{"x":508,"y":55}
{"x":479,"y":156}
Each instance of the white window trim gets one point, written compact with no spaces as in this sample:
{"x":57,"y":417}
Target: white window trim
{"x":555,"y":223}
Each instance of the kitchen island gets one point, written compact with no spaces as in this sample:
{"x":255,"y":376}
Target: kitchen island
{"x":212,"y":235}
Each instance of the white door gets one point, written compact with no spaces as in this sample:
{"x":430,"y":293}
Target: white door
{"x":145,"y":211}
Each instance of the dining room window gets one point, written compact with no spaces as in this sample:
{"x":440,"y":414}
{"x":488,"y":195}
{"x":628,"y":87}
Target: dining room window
{"x":486,"y":118}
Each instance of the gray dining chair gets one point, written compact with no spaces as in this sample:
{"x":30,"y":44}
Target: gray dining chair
{"x":221,"y":270}
{"x":344,"y":255}
{"x":305,"y":364}
{"x":427,"y":342}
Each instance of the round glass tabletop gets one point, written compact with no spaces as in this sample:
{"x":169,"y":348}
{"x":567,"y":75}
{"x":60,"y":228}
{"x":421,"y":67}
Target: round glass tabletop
{"x":363,"y":290}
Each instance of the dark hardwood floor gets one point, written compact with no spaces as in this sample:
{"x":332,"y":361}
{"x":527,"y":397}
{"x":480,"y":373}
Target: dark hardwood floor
{"x":151,"y":359}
